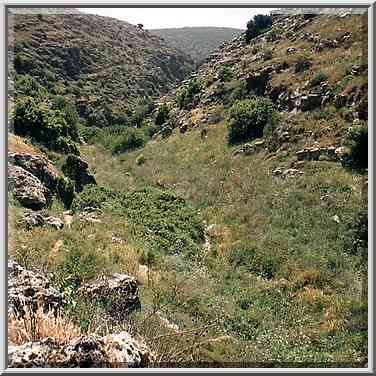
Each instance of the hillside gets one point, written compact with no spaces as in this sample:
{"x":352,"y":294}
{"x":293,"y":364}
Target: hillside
{"x":197,"y":42}
{"x":228,"y":229}
{"x":104,"y":65}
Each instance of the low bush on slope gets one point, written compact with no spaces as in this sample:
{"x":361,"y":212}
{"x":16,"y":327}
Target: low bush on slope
{"x":249,"y":119}
{"x":47,"y":119}
{"x":166,"y":222}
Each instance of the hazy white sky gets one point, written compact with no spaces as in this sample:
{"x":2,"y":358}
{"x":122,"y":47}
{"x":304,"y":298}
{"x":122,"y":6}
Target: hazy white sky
{"x":155,"y":18}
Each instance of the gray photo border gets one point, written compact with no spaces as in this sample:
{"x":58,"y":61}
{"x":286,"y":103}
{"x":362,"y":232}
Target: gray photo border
{"x":4,"y":7}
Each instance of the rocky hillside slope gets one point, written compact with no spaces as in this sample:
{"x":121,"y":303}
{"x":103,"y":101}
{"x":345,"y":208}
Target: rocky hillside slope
{"x":197,"y":42}
{"x":302,"y":64}
{"x":105,"y":65}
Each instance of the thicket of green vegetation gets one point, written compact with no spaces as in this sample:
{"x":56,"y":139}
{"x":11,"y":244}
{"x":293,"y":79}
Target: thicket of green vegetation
{"x":249,"y":119}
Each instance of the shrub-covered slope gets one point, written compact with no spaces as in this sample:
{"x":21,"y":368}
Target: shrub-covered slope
{"x":103,"y":64}
{"x":197,"y":42}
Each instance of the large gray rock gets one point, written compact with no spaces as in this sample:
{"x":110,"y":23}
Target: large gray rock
{"x":113,"y":351}
{"x":39,"y":166}
{"x":118,"y":293}
{"x":32,"y":219}
{"x":28,"y":290}
{"x":310,"y":102}
{"x":28,"y":189}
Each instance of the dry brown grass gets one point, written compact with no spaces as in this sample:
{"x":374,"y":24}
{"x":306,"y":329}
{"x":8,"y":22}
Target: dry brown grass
{"x":17,"y":145}
{"x":39,"y":325}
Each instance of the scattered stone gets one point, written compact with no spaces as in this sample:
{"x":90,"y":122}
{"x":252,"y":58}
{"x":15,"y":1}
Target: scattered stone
{"x":335,"y":218}
{"x":342,"y":152}
{"x":309,"y":154}
{"x":310,"y":102}
{"x":116,"y":239}
{"x":290,"y":50}
{"x":286,"y":173}
{"x":28,"y":189}
{"x":54,"y":222}
{"x":168,"y":324}
{"x":248,"y":149}
{"x":119,"y":292}
{"x":143,"y":274}
{"x":32,"y":219}
{"x":90,"y":215}
{"x":68,"y":218}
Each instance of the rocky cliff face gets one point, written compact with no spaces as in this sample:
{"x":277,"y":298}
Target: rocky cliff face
{"x":104,"y":64}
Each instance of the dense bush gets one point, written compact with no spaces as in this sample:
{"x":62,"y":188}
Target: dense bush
{"x":162,"y":114}
{"x":92,"y":196}
{"x":357,"y":234}
{"x":65,"y":191}
{"x":168,"y":222}
{"x":357,"y":141}
{"x":302,"y":64}
{"x":184,"y":96}
{"x":257,"y":26}
{"x":28,"y":86}
{"x":44,"y":125}
{"x":23,"y":63}
{"x":129,"y":139}
{"x":225,"y":73}
{"x":250,"y":119}
{"x":258,"y":263}
{"x":140,"y":113}
{"x":318,"y":79}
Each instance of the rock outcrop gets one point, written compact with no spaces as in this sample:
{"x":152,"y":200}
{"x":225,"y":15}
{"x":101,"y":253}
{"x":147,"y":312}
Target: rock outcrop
{"x":113,"y":351}
{"x":32,"y":219}
{"x":28,"y":290}
{"x":118,"y":293}
{"x":28,"y":189}
{"x":38,"y":166}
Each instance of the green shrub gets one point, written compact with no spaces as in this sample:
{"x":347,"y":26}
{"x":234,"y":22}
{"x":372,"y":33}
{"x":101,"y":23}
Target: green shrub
{"x":356,"y":239}
{"x":257,"y":26}
{"x":76,"y":268}
{"x":25,"y":85}
{"x":49,"y":120}
{"x":92,"y":196}
{"x":225,"y":73}
{"x":249,"y":119}
{"x":184,"y":96}
{"x":303,"y":63}
{"x":140,"y":113}
{"x":162,"y":114}
{"x":264,"y":265}
{"x":65,"y":191}
{"x":23,"y":63}
{"x":69,"y":112}
{"x":357,"y":141}
{"x":318,"y":79}
{"x":129,"y":139}
{"x":167,"y":222}
{"x":273,"y":35}
{"x":240,"y":91}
